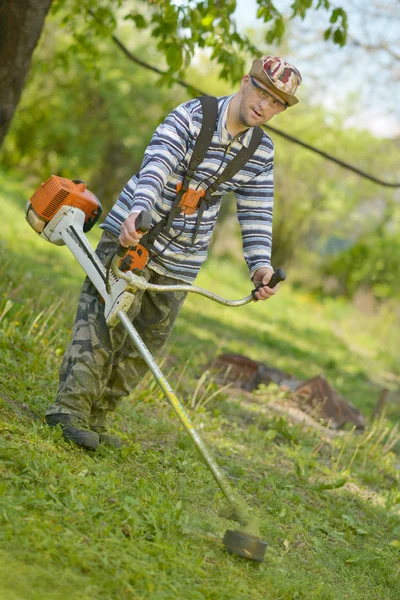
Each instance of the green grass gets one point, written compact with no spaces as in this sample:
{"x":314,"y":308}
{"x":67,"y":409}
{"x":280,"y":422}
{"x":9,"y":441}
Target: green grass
{"x":143,"y":522}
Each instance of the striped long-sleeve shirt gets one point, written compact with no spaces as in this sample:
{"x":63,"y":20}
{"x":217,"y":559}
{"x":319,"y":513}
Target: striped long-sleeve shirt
{"x":165,"y":164}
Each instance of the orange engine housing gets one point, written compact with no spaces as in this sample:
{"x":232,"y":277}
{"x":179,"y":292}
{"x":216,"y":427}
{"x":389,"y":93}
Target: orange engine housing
{"x":57,"y":192}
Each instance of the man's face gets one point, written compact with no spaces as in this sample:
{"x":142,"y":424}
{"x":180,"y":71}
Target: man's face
{"x":258,"y":103}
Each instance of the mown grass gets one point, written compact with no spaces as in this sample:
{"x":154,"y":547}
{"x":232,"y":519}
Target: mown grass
{"x":143,"y":522}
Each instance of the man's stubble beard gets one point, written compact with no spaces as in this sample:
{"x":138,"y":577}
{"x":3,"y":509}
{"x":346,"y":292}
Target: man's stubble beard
{"x":242,"y":117}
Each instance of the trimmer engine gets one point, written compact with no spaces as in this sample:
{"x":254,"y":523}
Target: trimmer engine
{"x":60,"y":211}
{"x":57,"y":192}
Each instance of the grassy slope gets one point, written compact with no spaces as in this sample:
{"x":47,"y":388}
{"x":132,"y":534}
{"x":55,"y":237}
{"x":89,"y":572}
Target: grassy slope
{"x":142,"y":522}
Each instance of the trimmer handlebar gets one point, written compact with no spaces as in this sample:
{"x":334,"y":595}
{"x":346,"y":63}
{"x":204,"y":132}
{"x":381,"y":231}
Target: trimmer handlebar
{"x":278,"y":276}
{"x":142,"y":224}
{"x":136,"y":282}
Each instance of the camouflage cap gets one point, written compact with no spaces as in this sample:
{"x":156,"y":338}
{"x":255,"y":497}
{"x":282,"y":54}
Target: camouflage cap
{"x":277,"y":74}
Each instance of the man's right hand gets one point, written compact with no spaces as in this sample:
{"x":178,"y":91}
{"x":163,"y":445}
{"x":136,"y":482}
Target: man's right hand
{"x":129,"y":236}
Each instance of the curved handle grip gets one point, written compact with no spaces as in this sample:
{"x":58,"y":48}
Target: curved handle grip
{"x":278,"y":276}
{"x":142,"y":224}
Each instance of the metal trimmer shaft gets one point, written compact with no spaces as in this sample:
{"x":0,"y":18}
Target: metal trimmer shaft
{"x":239,"y":506}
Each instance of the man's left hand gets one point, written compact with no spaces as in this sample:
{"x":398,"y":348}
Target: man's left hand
{"x":262,"y":277}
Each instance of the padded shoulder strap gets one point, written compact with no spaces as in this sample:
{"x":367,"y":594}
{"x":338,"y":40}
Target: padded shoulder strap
{"x":241,"y":158}
{"x":209,"y":105}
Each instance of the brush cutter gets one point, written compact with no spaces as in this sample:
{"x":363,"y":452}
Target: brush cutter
{"x":61,"y":211}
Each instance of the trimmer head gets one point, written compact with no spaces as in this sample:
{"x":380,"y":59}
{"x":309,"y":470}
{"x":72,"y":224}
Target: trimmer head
{"x":244,"y":544}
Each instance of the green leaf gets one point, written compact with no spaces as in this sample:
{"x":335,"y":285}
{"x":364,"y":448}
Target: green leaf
{"x":170,"y":15}
{"x":299,"y":465}
{"x":352,"y":560}
{"x":353,"y":525}
{"x":260,"y":12}
{"x":280,"y":28}
{"x":138,"y":19}
{"x":207,"y":21}
{"x":334,"y":16}
{"x":131,"y":500}
{"x":174,"y":58}
{"x":332,"y":485}
{"x":348,"y":519}
{"x":338,"y":13}
{"x":339,"y":37}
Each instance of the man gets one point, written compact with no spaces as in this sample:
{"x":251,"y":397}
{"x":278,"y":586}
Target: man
{"x":101,"y":365}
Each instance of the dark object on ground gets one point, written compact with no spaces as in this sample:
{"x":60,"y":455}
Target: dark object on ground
{"x":314,"y":396}
{"x":74,"y":430}
{"x":317,"y":396}
{"x":248,"y":546}
{"x":248,"y":374}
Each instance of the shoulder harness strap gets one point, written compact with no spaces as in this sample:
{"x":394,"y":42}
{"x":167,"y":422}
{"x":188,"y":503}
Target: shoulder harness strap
{"x":209,"y":107}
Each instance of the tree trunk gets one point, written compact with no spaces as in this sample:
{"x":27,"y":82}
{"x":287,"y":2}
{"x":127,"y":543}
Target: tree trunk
{"x":21,"y":22}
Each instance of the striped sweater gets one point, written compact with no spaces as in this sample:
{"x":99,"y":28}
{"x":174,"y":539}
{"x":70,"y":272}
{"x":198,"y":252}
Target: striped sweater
{"x":164,"y":165}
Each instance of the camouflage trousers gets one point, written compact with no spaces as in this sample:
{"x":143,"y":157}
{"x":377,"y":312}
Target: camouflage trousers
{"x":101,"y":364}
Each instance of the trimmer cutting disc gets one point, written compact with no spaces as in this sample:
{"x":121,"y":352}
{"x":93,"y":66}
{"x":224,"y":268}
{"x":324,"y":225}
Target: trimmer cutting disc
{"x":248,"y":546}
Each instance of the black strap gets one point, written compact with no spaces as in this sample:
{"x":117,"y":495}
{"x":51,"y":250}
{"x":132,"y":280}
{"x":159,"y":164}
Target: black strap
{"x":202,"y":207}
{"x":209,"y":106}
{"x":238,"y":161}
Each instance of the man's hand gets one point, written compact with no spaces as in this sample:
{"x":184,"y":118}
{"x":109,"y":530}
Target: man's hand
{"x":129,"y":236}
{"x":262,"y":277}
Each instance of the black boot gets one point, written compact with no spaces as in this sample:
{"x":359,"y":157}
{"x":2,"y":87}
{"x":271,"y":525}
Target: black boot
{"x":98,"y":424}
{"x":74,"y":430}
{"x":107,"y":438}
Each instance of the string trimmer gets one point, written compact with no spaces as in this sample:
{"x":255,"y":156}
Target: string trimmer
{"x":61,"y":211}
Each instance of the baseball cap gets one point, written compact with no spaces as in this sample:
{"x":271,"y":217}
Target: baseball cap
{"x":278,"y":75}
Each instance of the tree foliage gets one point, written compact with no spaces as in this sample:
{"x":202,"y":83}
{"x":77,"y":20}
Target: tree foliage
{"x":324,"y":215}
{"x":88,"y":123}
{"x":179,"y":28}
{"x":372,"y":262}
{"x":372,"y":46}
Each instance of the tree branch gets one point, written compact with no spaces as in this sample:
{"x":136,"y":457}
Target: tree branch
{"x":194,"y":90}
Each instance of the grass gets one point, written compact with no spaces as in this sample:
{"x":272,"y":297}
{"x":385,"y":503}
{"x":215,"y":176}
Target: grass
{"x":143,"y":522}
